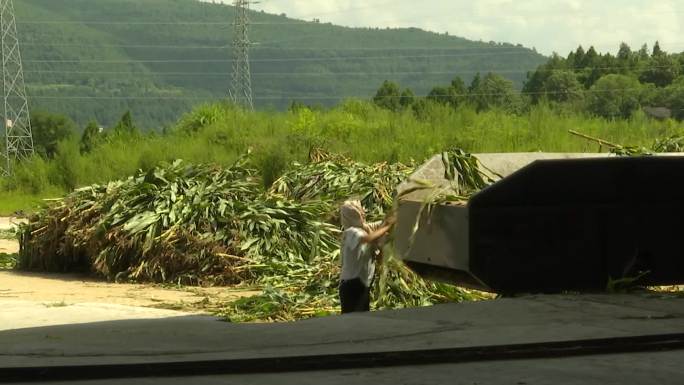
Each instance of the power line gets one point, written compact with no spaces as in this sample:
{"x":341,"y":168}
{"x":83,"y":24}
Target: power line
{"x":112,"y":97}
{"x":171,"y":46}
{"x":340,"y":58}
{"x":147,"y":23}
{"x":324,"y":74}
{"x":284,"y":74}
{"x":262,"y":46}
{"x":336,"y":97}
{"x":266,"y":47}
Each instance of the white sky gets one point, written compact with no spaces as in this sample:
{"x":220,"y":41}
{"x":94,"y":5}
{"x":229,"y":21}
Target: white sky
{"x":548,"y":25}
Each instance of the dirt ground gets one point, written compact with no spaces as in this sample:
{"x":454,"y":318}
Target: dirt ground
{"x":9,"y":246}
{"x":63,"y":290}
{"x":7,"y":223}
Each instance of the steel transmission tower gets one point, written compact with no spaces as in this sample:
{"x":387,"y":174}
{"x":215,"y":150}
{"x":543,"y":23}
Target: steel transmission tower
{"x":17,"y":125}
{"x":241,"y":92}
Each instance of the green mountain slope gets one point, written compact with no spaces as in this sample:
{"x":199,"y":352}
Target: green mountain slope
{"x":95,"y":59}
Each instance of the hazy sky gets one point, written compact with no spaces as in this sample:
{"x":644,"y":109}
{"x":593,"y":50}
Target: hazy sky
{"x":548,"y":25}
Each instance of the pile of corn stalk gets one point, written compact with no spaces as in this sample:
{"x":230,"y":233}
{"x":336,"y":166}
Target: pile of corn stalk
{"x":182,"y":223}
{"x":671,"y":144}
{"x":206,"y":225}
{"x":334,"y":178}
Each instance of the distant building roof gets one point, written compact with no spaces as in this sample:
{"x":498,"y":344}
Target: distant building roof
{"x":658,"y":112}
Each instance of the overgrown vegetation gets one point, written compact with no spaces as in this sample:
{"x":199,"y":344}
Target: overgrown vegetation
{"x":8,"y":261}
{"x":8,"y":234}
{"x":220,"y":133}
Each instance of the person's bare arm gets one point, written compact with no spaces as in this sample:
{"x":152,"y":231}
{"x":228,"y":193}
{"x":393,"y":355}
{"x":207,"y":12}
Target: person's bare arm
{"x":380,"y":232}
{"x":375,"y":235}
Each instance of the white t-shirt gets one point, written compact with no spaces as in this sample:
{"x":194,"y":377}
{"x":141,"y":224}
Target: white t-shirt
{"x":357,"y":261}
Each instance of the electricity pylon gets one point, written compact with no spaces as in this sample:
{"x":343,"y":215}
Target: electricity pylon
{"x":16,"y":121}
{"x":241,"y":91}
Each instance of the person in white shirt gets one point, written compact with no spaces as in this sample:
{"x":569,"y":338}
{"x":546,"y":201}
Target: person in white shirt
{"x":358,"y":254}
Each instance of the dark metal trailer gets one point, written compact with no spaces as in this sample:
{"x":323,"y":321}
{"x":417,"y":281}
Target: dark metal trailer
{"x":553,"y":223}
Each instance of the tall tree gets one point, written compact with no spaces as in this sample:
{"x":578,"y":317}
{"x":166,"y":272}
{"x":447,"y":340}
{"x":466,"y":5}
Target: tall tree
{"x":454,"y":95}
{"x":615,"y":96}
{"x":563,"y":86}
{"x":475,"y":83}
{"x":459,"y":85}
{"x":590,"y":58}
{"x":626,"y":60}
{"x":126,"y":126}
{"x":656,"y":50}
{"x":458,"y":92}
{"x":494,"y":91}
{"x":388,"y":96}
{"x":595,"y":66}
{"x":91,"y":137}
{"x":407,"y":98}
{"x":48,"y":130}
{"x":643,"y":53}
{"x":535,"y":84}
{"x":580,"y":57}
{"x":625,"y":52}
{"x":439,"y":95}
{"x":675,"y":100}
{"x":662,"y":70}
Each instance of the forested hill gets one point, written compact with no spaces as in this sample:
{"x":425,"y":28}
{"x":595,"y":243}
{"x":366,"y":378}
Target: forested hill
{"x":95,"y":59}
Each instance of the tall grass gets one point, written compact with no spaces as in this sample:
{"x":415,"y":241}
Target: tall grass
{"x":219,"y":133}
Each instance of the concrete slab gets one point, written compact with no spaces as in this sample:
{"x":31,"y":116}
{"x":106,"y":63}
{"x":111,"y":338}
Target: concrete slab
{"x":644,"y":369}
{"x":506,"y":321}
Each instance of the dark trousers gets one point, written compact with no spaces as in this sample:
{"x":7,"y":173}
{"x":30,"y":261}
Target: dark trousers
{"x":354,"y":296}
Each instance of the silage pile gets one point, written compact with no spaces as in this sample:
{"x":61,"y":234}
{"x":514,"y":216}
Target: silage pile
{"x":203,"y":224}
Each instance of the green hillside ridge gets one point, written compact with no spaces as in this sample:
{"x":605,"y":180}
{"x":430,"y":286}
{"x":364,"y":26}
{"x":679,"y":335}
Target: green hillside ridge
{"x":159,"y":58}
